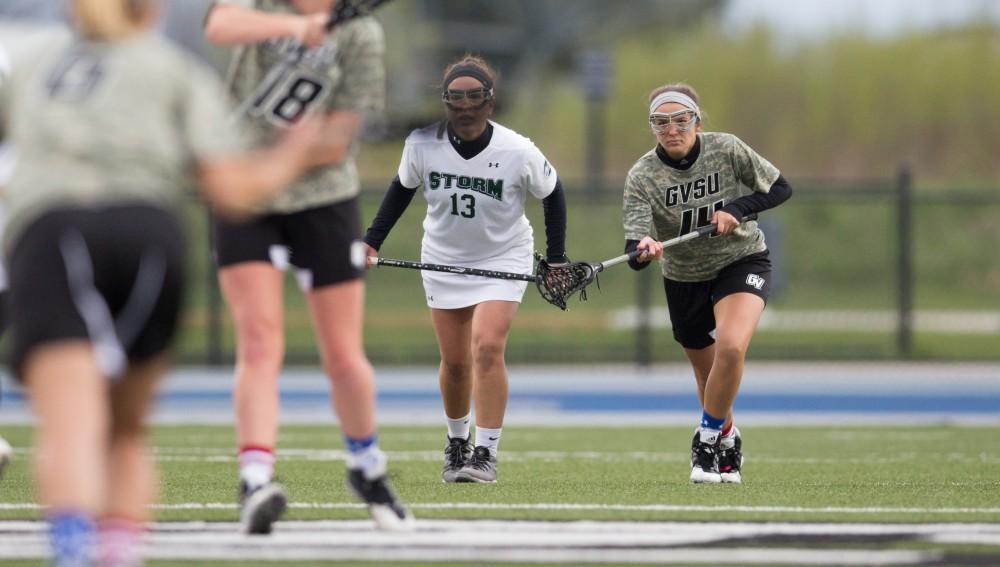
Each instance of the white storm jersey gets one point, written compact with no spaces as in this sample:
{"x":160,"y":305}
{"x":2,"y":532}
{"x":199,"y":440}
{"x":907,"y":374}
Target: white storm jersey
{"x":475,"y":207}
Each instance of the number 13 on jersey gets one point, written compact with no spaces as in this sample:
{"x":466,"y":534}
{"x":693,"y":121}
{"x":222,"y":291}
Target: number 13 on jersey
{"x":467,"y":208}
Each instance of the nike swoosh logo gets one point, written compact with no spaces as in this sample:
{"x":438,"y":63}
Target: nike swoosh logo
{"x":493,"y":438}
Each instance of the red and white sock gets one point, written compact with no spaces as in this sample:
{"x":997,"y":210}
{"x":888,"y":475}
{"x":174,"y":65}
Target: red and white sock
{"x":256,"y":465}
{"x":120,"y":542}
{"x":729,"y":434}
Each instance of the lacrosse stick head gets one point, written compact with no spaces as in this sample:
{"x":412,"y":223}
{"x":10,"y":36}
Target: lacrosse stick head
{"x":557,"y":283}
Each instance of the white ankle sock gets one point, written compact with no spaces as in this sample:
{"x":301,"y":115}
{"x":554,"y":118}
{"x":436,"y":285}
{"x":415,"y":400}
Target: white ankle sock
{"x":709,"y":436}
{"x":489,"y":438}
{"x":371,"y":460}
{"x":729,"y":439}
{"x":459,"y":428}
{"x":256,"y":467}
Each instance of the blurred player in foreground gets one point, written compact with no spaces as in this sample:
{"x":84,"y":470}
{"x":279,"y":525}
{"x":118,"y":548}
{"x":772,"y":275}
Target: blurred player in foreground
{"x":6,"y":169}
{"x":716,"y":286}
{"x":315,"y":226}
{"x":110,"y":125}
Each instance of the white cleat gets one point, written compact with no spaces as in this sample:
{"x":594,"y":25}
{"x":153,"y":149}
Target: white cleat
{"x":6,"y":455}
{"x":700,"y":476}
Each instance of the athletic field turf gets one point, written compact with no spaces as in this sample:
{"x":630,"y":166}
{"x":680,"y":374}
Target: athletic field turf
{"x":812,"y":495}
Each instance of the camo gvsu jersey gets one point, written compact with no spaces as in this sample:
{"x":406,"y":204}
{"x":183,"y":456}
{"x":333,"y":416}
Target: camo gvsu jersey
{"x":475,"y":207}
{"x":345,"y":73}
{"x":664,"y":203}
{"x":120,"y":122}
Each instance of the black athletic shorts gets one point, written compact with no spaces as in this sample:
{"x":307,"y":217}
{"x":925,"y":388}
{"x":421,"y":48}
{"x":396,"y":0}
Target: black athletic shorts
{"x":112,"y":275}
{"x":323,"y":243}
{"x":691,"y":303}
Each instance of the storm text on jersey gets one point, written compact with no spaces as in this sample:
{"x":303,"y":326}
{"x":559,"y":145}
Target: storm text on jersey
{"x":489,"y":187}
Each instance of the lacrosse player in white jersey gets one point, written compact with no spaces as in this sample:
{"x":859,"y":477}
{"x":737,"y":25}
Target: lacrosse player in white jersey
{"x":716,"y":286}
{"x":476,"y":176}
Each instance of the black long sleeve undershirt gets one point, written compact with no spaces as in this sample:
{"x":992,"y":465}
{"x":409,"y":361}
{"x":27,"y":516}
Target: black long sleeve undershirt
{"x":394,"y":203}
{"x":554,"y":208}
{"x":780,"y":192}
{"x":756,"y":202}
{"x":631,"y":246}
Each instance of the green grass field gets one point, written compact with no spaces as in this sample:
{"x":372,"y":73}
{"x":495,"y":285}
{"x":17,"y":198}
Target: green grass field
{"x":813,"y":474}
{"x":804,"y":474}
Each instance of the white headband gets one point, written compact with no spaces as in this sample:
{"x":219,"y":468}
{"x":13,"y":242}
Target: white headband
{"x":674,"y":96}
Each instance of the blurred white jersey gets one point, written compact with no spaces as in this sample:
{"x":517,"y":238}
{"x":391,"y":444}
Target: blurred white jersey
{"x":475,"y":207}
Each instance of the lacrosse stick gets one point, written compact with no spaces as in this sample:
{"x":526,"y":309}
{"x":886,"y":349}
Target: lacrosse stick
{"x":380,"y":261}
{"x":342,"y":11}
{"x":565,"y":280}
{"x":549,"y":279}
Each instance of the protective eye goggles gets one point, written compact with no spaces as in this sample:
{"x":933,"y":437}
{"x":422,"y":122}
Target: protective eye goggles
{"x":684,"y":120}
{"x":474,"y":96}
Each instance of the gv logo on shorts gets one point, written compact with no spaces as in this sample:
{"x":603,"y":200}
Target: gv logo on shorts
{"x":755,"y":281}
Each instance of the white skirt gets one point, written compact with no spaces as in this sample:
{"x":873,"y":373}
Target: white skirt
{"x":454,"y":291}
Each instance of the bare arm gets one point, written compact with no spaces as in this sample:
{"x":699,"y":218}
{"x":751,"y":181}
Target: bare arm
{"x":339,"y":130}
{"x":235,"y":184}
{"x":229,"y":24}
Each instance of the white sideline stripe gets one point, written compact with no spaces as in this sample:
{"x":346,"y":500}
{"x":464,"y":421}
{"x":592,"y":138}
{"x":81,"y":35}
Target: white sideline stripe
{"x":474,"y":555}
{"x":559,"y":506}
{"x":519,"y":541}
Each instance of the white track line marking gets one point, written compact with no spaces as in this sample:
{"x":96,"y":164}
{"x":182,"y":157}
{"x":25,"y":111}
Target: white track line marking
{"x":576,"y":507}
{"x":516,"y":541}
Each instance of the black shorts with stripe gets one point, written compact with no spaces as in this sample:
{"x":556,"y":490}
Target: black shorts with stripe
{"x":691,"y":304}
{"x":112,"y":275}
{"x":322,"y":243}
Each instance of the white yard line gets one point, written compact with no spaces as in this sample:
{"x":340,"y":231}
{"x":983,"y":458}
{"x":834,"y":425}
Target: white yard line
{"x":576,"y":507}
{"x":519,"y":541}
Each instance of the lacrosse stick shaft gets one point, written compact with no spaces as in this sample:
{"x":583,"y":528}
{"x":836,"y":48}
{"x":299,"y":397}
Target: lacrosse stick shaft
{"x":338,"y":14}
{"x":699,"y":232}
{"x":379,"y":261}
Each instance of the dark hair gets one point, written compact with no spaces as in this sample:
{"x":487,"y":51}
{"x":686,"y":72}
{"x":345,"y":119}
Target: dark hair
{"x":682,"y":88}
{"x":476,"y":62}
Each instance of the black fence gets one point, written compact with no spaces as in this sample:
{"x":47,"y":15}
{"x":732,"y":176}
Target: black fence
{"x":864,"y":270}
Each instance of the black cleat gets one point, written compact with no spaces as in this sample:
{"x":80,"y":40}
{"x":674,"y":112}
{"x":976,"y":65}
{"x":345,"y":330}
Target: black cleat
{"x":482,"y":467}
{"x":388,"y":511}
{"x":705,"y":460}
{"x":456,"y":454}
{"x":731,"y":459}
{"x":261,"y":507}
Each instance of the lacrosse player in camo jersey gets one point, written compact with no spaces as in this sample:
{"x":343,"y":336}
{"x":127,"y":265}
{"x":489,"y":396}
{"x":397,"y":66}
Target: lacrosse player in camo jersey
{"x":6,"y":170}
{"x":716,"y":286}
{"x":315,"y":227}
{"x":475,"y":175}
{"x":112,"y":125}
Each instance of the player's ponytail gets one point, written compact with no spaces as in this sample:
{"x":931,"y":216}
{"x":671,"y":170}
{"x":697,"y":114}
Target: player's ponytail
{"x":111,"y":19}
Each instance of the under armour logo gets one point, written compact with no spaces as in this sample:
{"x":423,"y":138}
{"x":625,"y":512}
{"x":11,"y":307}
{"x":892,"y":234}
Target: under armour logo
{"x":755,"y":281}
{"x":494,"y":164}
